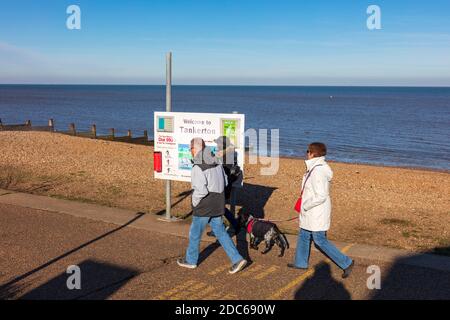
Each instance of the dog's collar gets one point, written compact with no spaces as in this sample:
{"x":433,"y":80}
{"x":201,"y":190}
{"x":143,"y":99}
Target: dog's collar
{"x":250,"y":225}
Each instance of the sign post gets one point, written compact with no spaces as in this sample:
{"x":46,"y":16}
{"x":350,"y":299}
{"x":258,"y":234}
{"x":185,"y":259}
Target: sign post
{"x":173,"y":132}
{"x":168,"y":109}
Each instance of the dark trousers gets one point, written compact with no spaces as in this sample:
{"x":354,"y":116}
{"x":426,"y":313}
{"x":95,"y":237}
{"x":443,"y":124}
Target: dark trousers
{"x":232,"y":219}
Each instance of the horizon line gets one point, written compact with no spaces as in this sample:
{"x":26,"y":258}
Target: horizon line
{"x":224,"y":85}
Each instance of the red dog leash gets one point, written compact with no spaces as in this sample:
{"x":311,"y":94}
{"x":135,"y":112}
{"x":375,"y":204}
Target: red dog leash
{"x":286,"y":220}
{"x":250,"y":224}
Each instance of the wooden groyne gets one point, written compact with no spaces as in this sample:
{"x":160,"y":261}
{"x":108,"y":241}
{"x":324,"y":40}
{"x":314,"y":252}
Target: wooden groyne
{"x":25,"y":127}
{"x":72,"y":130}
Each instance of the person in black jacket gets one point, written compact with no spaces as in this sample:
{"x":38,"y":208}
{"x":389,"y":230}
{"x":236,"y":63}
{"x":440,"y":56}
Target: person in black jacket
{"x":208,"y":181}
{"x":227,"y":156}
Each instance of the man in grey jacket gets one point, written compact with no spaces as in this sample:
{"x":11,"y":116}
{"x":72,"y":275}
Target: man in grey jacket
{"x":208,"y":181}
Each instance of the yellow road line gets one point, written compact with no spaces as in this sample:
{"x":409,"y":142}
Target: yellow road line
{"x":296,"y":281}
{"x":252,"y":269}
{"x":203,"y":294}
{"x":266,"y":272}
{"x":291,"y":284}
{"x":175,"y":290}
{"x":346,"y":248}
{"x":189,"y":292}
{"x":218,"y":270}
{"x":223,"y":296}
{"x":214,"y":296}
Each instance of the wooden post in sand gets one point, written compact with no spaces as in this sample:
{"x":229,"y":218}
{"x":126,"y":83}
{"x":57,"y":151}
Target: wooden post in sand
{"x":51,"y":124}
{"x":72,"y":130}
{"x":112,"y":133}
{"x":145,"y":134}
{"x":94,"y":131}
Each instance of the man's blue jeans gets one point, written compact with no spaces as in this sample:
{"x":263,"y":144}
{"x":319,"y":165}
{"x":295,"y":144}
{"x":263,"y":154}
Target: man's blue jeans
{"x":320,"y":239}
{"x":195,"y":234}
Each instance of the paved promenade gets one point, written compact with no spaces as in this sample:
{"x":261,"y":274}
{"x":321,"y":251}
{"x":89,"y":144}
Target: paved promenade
{"x":128,"y":255}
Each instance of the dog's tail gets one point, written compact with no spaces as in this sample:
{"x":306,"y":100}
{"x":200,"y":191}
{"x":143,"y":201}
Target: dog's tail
{"x":282,"y":238}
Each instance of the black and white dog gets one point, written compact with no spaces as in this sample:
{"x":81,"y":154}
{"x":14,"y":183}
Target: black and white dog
{"x":260,"y":230}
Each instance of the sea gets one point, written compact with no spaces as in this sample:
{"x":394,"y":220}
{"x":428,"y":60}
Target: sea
{"x":390,"y":126}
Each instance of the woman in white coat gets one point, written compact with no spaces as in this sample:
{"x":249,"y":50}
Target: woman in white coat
{"x":315,"y":214}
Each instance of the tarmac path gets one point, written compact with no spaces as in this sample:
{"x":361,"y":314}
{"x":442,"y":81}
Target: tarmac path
{"x":121,"y":262}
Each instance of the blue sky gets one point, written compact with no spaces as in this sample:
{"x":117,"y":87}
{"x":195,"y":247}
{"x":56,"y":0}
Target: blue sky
{"x":226,"y":42}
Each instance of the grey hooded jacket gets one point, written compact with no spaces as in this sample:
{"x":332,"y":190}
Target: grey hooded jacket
{"x":208,"y":181}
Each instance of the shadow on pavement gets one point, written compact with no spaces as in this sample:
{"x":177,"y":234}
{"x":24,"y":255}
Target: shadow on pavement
{"x":99,"y":280}
{"x":183,"y":195}
{"x":322,"y":286}
{"x":253,"y":198}
{"x":8,"y":288}
{"x":205,"y":253}
{"x":404,"y":281}
{"x":12,"y":291}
